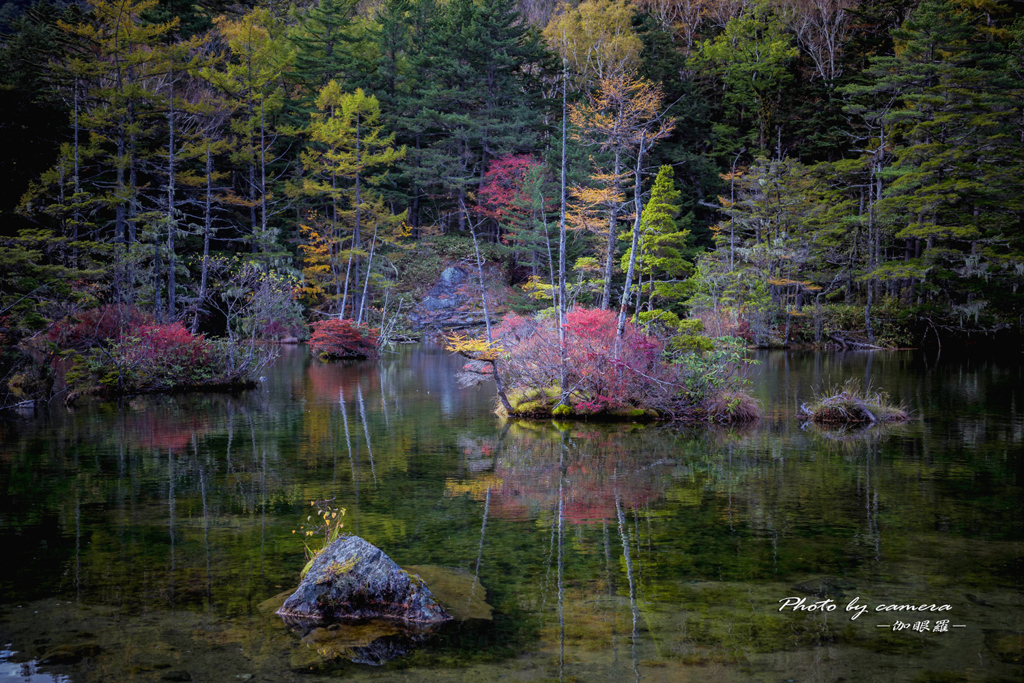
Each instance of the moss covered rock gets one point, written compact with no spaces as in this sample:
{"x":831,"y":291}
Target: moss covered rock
{"x":353,"y":579}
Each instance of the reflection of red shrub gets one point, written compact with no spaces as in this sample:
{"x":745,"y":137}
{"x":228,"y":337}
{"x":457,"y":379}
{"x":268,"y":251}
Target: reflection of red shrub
{"x":594,"y":479}
{"x":343,"y":339}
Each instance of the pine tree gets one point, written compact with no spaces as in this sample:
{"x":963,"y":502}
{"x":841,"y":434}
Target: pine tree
{"x":114,"y":99}
{"x":751,"y":57}
{"x":951,"y":195}
{"x":331,"y":43}
{"x":477,"y":101}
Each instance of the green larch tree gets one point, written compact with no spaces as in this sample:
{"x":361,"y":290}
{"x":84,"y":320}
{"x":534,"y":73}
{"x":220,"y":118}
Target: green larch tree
{"x":349,"y":154}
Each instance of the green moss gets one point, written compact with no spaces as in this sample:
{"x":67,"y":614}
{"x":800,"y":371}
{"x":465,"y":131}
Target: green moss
{"x":561,"y":410}
{"x":534,"y":400}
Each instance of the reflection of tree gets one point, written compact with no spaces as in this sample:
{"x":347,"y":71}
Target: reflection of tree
{"x":599,"y":469}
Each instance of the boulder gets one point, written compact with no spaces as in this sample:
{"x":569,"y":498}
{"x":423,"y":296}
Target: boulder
{"x":452,"y":302}
{"x":353,"y":579}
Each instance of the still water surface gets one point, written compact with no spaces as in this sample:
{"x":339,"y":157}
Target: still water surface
{"x":139,"y":540}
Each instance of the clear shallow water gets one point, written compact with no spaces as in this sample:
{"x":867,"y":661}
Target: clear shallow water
{"x":140,"y":539}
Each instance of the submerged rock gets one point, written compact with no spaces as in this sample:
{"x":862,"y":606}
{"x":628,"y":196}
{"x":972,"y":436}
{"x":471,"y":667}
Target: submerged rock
{"x":353,"y":579}
{"x":459,"y":591}
{"x":825,"y":587}
{"x":373,"y":642}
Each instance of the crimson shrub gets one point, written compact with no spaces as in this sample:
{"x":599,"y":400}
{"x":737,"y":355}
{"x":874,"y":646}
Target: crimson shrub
{"x":336,"y":339}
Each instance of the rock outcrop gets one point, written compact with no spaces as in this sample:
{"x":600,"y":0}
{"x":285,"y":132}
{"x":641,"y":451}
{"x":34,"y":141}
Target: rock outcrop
{"x":452,"y":303}
{"x":353,"y":579}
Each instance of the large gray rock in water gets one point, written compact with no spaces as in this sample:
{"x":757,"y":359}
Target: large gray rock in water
{"x":353,"y":579}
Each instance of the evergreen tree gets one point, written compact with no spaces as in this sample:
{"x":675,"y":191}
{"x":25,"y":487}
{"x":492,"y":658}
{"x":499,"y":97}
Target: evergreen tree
{"x":115,"y":99}
{"x":951,"y":196}
{"x":252,"y":76}
{"x":666,"y":251}
{"x":478,"y":99}
{"x":330,"y":43}
{"x":751,"y":57}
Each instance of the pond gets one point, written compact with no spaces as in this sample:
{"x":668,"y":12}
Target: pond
{"x":142,"y":539}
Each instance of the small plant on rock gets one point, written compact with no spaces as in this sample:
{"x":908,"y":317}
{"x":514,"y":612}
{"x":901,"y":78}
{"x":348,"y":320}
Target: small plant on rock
{"x":327,"y":525}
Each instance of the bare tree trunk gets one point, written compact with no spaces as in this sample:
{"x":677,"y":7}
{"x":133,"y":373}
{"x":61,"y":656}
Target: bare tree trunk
{"x":613,"y":216}
{"x":207,"y":229}
{"x":158,"y":294}
{"x":359,"y":217}
{"x":344,"y":296}
{"x":551,"y":261}
{"x":171,"y":220}
{"x":869,"y":247}
{"x":480,"y":274}
{"x":564,"y":370}
{"x":732,"y":223}
{"x":366,"y":282}
{"x":639,"y":202}
{"x":121,"y":230}
{"x":76,"y":216}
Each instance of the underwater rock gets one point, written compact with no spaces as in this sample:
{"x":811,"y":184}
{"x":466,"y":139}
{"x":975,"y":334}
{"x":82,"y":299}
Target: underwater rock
{"x":70,"y":654}
{"x":459,"y":591}
{"x":373,"y":642}
{"x":825,"y":587}
{"x":1008,"y":646}
{"x":353,"y":579}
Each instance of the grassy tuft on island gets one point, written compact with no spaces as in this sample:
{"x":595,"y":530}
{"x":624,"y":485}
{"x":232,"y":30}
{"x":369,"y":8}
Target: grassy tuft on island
{"x":851,"y":404}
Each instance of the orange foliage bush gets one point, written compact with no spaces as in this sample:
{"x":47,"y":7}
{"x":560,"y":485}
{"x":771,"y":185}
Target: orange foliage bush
{"x":336,"y":339}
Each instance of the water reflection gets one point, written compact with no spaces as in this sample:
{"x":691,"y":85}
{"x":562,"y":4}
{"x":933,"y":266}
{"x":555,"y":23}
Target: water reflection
{"x":149,"y":532}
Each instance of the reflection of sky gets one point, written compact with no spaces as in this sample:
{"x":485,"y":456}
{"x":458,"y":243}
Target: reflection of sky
{"x":25,"y":672}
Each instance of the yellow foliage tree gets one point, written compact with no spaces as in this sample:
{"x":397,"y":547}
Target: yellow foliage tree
{"x":621,"y":117}
{"x":596,"y":40}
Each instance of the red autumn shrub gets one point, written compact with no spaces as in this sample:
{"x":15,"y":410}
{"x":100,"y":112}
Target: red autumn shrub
{"x":600,"y":376}
{"x":95,"y":326}
{"x":118,"y":350}
{"x":335,"y":339}
{"x":503,"y":192}
{"x":621,"y":377}
{"x":169,"y":344}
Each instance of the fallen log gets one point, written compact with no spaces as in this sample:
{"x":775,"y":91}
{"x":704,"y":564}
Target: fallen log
{"x":849,"y":340}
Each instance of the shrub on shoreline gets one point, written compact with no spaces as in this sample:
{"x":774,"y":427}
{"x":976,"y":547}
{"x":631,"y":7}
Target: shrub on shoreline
{"x":117,"y":351}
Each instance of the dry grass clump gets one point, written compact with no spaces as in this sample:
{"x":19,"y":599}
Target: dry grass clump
{"x":853,"y":405}
{"x":733,"y":407}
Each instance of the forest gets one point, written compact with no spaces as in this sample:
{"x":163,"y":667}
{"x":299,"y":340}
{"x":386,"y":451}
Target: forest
{"x":205,"y":177}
